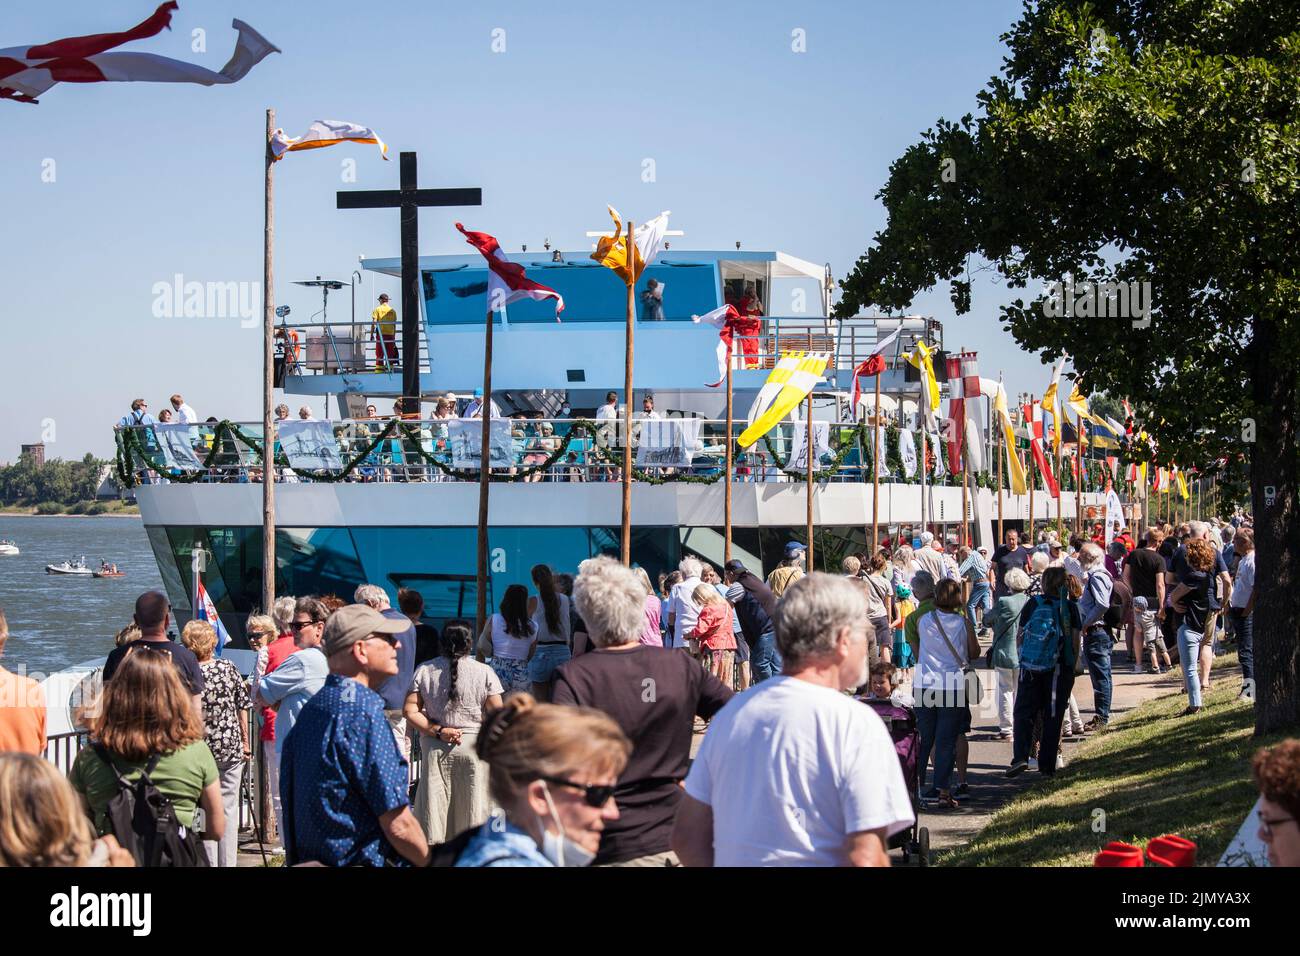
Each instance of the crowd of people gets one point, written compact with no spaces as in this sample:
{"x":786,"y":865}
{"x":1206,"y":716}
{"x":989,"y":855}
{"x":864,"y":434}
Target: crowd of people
{"x":565,"y":732}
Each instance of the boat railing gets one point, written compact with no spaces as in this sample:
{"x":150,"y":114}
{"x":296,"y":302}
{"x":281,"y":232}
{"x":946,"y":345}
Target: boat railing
{"x":346,"y":348}
{"x":520,"y":449}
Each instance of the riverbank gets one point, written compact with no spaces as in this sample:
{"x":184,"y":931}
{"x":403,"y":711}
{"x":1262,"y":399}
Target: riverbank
{"x":82,"y":509}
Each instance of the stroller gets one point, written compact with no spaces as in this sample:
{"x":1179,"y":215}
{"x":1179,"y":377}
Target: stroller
{"x":901,"y":723}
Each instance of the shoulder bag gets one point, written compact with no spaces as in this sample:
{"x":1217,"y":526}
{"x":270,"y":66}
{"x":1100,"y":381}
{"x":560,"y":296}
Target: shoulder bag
{"x":970,"y":678}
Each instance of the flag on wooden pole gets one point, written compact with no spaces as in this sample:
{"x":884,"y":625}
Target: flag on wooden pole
{"x":1051,"y":403}
{"x":733,"y":329}
{"x":611,"y":251}
{"x":1015,"y":470}
{"x":921,"y":359}
{"x":323,"y":133}
{"x":28,"y":71}
{"x":507,"y":280}
{"x":874,"y":365}
{"x":797,"y":383}
{"x":1034,"y":418}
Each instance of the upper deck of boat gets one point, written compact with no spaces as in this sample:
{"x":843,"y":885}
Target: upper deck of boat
{"x":586,"y":349}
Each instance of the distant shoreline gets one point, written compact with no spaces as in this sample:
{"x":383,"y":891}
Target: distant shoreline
{"x":33,"y":514}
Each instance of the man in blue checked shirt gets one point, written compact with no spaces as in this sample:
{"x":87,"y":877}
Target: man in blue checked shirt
{"x":343,"y":781}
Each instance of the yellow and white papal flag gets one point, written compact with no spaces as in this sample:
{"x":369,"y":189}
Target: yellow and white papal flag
{"x":792,"y":379}
{"x":325,"y":133}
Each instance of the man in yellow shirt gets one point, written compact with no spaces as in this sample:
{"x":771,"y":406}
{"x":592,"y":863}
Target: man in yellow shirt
{"x":384,"y":320}
{"x":789,"y":571}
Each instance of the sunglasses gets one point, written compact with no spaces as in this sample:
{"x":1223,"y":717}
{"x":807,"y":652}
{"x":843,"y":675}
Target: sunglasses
{"x":596,"y":795}
{"x":390,"y":639}
{"x":299,"y":625}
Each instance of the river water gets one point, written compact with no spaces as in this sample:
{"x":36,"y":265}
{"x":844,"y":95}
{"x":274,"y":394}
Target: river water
{"x":55,"y":620}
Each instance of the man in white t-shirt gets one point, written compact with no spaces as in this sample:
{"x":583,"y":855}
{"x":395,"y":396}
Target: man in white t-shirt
{"x":802,"y":774}
{"x":683,"y":612}
{"x":184,"y":414}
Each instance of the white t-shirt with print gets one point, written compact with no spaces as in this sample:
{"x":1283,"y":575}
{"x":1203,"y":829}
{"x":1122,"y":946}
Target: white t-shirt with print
{"x":792,"y":768}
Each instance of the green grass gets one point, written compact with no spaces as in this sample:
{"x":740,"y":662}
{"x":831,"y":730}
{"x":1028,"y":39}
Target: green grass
{"x":1153,"y":773}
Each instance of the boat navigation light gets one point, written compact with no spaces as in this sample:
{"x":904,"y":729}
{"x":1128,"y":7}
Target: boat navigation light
{"x":737,"y":243}
{"x":557,"y":256}
{"x":547,"y":244}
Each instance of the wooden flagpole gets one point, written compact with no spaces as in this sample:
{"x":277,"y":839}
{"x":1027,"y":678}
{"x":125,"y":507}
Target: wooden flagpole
{"x":921,"y":420}
{"x":1078,"y":476}
{"x":626,"y":537}
{"x":484,"y":479}
{"x":808,"y":440}
{"x":726,"y":489}
{"x":1058,"y":439}
{"x":1031,"y":463}
{"x":1002,"y":448}
{"x":875,"y":477}
{"x":268,"y":376}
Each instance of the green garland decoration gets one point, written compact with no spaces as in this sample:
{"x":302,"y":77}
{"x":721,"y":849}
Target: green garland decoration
{"x":579,"y":425}
{"x":837,"y":461}
{"x":131,"y":455}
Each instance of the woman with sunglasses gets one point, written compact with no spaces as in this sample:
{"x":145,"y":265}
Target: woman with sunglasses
{"x":552,"y":772}
{"x":1277,"y":774}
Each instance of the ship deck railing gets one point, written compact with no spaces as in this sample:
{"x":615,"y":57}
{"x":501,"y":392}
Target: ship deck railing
{"x":527,"y":449}
{"x":345,"y":348}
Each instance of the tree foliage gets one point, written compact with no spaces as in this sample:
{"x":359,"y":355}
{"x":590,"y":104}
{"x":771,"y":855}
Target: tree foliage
{"x":1141,"y":140}
{"x":1152,"y":141}
{"x":65,"y":482}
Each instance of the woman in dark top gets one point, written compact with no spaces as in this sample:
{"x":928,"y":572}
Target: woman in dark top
{"x":1192,"y":600}
{"x":653,"y":694}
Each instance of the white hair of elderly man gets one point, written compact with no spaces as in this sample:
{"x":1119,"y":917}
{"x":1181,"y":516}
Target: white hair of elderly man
{"x":373,"y":595}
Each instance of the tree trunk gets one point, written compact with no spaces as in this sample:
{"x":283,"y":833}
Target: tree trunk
{"x":1277,"y":536}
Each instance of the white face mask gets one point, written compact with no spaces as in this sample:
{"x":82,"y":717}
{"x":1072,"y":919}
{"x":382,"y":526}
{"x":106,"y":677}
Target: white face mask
{"x":560,"y":850}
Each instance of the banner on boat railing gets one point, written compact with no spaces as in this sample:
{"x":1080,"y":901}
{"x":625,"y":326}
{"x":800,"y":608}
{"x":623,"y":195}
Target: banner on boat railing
{"x":668,"y":442}
{"x":310,"y":445}
{"x":466,"y":438}
{"x":175,"y":445}
{"x":799,"y":445}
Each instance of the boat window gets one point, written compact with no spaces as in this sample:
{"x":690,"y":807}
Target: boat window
{"x":591,"y":293}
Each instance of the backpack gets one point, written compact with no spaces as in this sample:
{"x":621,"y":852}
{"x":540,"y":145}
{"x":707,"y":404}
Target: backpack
{"x":1042,"y":638}
{"x":446,"y":854}
{"x":1120,"y":596}
{"x":142,"y":819}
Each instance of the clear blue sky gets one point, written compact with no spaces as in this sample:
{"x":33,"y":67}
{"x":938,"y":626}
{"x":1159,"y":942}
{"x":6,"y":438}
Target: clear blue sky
{"x":751,"y":141}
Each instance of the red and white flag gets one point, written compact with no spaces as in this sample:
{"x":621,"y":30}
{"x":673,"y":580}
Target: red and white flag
{"x":963,"y":383}
{"x":736,"y":334}
{"x":874,"y":365}
{"x":506,"y":280}
{"x":28,"y":71}
{"x":1034,"y":418}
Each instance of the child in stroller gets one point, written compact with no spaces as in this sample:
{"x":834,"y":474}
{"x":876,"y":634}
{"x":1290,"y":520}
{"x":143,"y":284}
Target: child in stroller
{"x":895,"y":709}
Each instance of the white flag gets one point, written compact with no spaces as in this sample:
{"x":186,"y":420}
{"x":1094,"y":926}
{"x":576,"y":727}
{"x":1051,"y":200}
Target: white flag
{"x":907,"y":451}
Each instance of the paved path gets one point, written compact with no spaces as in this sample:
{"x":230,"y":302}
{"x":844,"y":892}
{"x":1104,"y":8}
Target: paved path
{"x":990,"y":789}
